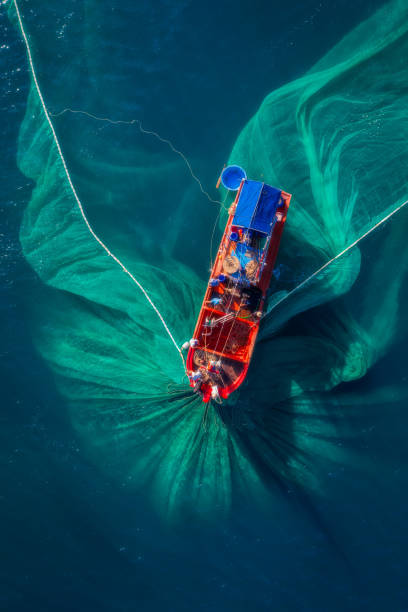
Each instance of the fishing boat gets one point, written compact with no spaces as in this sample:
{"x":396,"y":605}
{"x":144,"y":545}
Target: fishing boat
{"x":221,"y":348}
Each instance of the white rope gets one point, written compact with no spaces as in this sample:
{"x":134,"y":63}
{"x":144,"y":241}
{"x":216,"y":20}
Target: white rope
{"x":76,"y":195}
{"x":303,"y":283}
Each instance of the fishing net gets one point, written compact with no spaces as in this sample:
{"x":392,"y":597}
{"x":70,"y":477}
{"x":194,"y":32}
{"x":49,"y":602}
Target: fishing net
{"x":335,"y":138}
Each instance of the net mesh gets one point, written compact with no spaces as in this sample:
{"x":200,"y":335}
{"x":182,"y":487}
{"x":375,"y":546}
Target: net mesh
{"x":336,"y":138}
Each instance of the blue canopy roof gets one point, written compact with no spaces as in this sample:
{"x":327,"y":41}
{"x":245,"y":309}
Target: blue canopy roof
{"x":257,"y":206}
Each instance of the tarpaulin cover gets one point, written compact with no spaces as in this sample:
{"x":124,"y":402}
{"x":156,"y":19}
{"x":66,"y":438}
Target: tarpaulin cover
{"x":256,"y":206}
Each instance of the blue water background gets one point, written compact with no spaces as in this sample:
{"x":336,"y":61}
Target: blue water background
{"x":74,"y":540}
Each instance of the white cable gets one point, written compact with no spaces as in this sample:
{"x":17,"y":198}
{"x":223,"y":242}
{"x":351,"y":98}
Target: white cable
{"x":285,"y":297}
{"x":76,"y":195}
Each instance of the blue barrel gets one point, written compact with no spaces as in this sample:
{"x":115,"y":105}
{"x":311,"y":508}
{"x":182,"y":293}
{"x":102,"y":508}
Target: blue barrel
{"x":234,"y":236}
{"x":232,"y":176}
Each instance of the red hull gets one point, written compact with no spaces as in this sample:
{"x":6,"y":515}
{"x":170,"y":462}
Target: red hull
{"x":228,"y":322}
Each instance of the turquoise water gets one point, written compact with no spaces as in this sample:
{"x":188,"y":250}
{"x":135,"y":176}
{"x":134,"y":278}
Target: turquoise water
{"x":117,"y":496}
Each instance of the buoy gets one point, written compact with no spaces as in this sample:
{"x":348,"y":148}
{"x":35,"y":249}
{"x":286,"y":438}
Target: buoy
{"x":193,"y":342}
{"x":185,"y":346}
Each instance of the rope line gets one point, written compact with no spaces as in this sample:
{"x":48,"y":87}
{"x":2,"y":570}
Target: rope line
{"x":151,"y":133}
{"x":94,"y":235}
{"x":353,"y":244}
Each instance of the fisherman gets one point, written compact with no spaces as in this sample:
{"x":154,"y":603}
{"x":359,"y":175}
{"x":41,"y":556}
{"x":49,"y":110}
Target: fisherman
{"x":214,"y":366}
{"x":215,"y":301}
{"x":196,"y":380}
{"x":196,"y":376}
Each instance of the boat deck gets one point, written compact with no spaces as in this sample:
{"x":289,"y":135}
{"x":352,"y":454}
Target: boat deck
{"x":228,"y":322}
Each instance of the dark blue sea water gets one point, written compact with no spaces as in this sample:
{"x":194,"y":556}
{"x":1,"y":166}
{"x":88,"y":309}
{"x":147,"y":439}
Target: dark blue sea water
{"x":72,"y":537}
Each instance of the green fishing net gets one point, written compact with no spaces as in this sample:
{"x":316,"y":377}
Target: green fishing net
{"x":337,"y":139}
